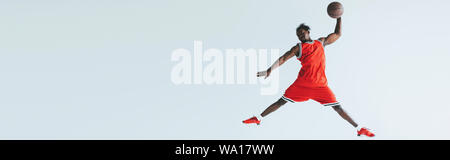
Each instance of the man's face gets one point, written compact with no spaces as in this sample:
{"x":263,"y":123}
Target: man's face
{"x":303,"y":35}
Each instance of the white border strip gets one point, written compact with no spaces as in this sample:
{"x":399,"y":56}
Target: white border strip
{"x":287,"y":99}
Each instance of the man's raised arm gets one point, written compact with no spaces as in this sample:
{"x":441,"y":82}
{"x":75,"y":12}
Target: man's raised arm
{"x":331,"y":38}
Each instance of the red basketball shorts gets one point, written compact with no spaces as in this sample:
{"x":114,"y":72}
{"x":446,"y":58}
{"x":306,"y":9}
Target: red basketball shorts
{"x":323,"y":95}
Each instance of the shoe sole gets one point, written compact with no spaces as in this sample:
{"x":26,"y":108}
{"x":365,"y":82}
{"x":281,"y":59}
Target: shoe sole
{"x":250,"y":123}
{"x":367,"y":135}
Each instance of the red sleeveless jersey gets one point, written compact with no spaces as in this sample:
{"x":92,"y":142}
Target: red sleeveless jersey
{"x":312,"y":57}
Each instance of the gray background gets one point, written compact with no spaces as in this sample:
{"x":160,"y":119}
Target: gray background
{"x":100,"y":69}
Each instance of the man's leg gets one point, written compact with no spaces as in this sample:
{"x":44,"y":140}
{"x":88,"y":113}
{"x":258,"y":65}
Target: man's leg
{"x":327,"y":98}
{"x":344,"y":115}
{"x":273,"y":107}
{"x":361,"y":131}
{"x":270,"y":109}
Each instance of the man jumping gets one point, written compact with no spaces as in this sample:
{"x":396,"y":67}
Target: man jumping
{"x":311,"y":82}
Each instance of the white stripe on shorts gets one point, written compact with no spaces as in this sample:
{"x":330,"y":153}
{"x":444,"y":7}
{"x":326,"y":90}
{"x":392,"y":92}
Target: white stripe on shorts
{"x":332,"y":104}
{"x":287,"y":99}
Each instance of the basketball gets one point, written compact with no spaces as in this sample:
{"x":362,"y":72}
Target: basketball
{"x":335,"y":10}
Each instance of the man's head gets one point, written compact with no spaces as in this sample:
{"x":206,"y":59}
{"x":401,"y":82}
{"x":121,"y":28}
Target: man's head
{"x":303,"y":32}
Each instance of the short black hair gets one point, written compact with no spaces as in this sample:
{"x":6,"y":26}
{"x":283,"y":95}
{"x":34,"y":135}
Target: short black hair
{"x":303,"y":26}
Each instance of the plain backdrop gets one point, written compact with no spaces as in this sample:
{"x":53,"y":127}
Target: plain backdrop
{"x":83,"y":69}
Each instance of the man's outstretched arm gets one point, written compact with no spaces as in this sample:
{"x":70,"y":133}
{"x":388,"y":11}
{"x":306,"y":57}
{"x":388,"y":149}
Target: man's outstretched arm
{"x":331,"y":38}
{"x":289,"y":54}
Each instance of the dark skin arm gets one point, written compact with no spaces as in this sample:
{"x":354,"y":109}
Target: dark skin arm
{"x":331,"y":38}
{"x":288,"y":55}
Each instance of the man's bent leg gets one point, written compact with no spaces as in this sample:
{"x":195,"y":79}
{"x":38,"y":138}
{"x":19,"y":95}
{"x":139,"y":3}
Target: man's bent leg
{"x":270,"y":109}
{"x":273,"y":107}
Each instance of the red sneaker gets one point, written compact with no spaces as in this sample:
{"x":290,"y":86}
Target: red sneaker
{"x":365,"y":131}
{"x":252,"y":120}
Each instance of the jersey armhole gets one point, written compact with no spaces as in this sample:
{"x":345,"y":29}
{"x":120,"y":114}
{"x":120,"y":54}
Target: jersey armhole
{"x":299,"y":51}
{"x":321,"y":42}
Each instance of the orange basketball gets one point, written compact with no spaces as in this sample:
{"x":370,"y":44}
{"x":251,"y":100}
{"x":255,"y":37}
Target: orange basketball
{"x":335,"y":9}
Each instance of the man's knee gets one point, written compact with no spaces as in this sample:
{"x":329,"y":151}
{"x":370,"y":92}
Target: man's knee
{"x":281,"y":101}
